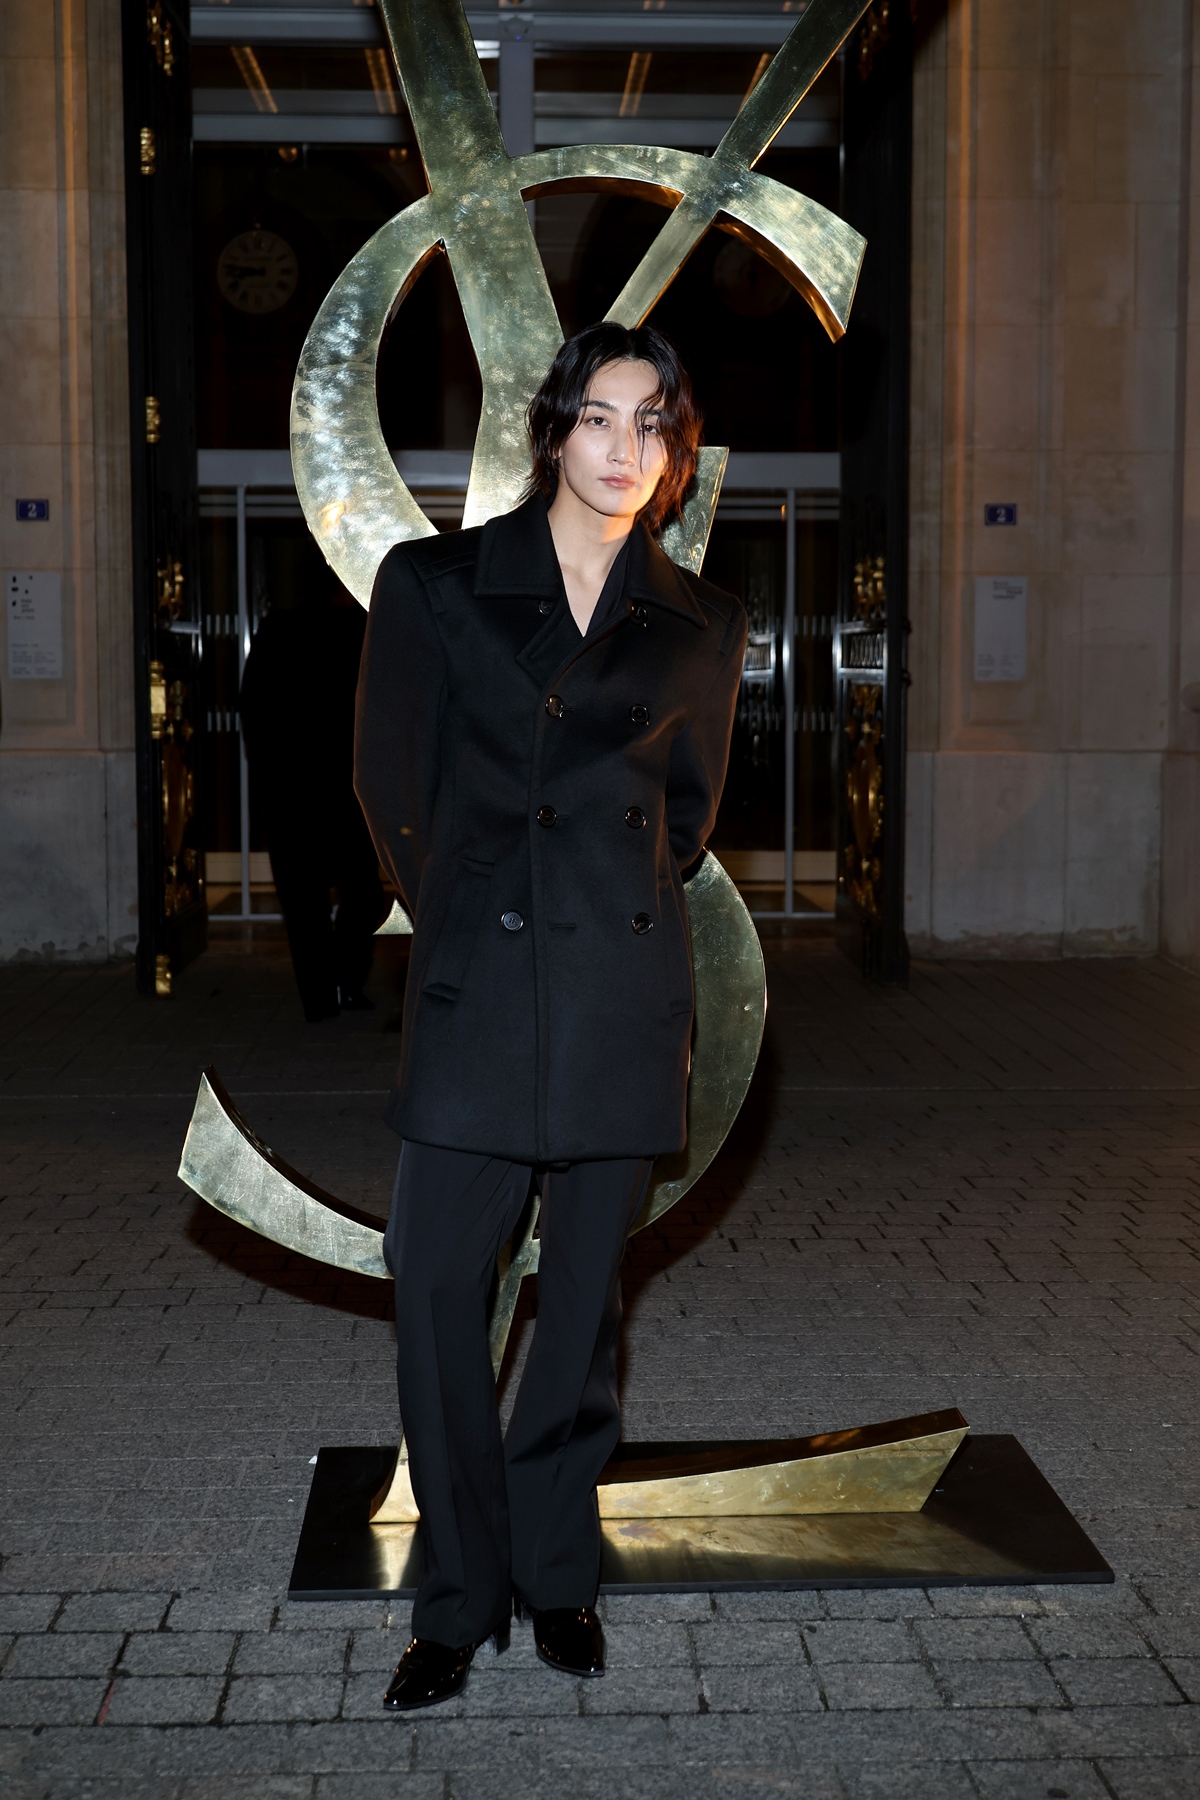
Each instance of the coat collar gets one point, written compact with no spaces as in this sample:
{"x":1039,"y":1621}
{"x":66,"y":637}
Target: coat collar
{"x":516,"y":556}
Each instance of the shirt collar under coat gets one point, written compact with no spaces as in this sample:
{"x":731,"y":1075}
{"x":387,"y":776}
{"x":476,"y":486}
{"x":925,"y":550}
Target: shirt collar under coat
{"x":517,"y":556}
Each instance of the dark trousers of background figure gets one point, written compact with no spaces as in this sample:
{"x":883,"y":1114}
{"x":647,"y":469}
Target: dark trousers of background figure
{"x":519,"y":1513}
{"x":327,"y":848}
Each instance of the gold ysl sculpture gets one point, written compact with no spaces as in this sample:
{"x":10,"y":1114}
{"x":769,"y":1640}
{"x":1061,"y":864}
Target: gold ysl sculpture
{"x":357,"y":507}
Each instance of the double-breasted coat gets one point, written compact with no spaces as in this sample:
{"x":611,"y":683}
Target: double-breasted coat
{"x":535,"y":795}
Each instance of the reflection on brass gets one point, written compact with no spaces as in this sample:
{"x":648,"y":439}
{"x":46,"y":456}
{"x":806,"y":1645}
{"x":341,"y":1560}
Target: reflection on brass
{"x":162,"y":977}
{"x":686,"y":539}
{"x":873,"y":36}
{"x":864,"y":797}
{"x":731,"y":1008}
{"x":896,"y":1549}
{"x":170,"y":569}
{"x":878,"y":1468}
{"x":355,"y":502}
{"x":158,"y":31}
{"x":870,"y":590}
{"x":158,"y":700}
{"x":153,"y":420}
{"x":397,"y":923}
{"x":149,"y":149}
{"x":227,"y":1165}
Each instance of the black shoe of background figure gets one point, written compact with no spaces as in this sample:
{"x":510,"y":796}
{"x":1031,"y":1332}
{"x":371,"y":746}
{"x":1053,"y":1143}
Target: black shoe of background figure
{"x":426,"y":1674}
{"x":569,"y":1638}
{"x":354,"y":1000}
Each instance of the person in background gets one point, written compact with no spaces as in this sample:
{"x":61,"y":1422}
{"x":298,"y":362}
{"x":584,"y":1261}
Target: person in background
{"x":297,"y":708}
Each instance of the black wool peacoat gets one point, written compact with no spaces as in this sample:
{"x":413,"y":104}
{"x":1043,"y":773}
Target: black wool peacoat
{"x":535,"y":795}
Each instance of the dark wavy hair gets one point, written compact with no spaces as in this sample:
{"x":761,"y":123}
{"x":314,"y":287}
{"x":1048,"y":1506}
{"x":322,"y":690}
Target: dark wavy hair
{"x":555,"y":408}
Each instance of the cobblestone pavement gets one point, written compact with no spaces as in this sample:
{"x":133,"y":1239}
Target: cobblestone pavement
{"x":980,"y":1193}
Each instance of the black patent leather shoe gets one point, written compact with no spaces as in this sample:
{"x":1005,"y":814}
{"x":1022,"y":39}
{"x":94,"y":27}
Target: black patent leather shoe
{"x":426,"y":1674}
{"x":569,"y":1638}
{"x":429,"y":1673}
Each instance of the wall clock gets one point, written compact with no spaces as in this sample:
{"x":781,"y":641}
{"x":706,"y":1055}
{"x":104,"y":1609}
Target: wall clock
{"x":257,"y":271}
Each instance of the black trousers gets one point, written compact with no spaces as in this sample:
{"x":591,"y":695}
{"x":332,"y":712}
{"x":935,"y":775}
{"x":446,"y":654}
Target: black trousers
{"x":329,"y":847}
{"x":521,"y":1513}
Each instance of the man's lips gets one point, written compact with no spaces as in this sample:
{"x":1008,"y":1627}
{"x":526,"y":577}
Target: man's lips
{"x":617,"y":481}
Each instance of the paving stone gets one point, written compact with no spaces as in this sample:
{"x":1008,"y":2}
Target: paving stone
{"x":72,"y":1653}
{"x":1150,"y":1778}
{"x":113,"y":1612}
{"x":1061,"y":1779}
{"x":397,"y":1786}
{"x":1090,"y":1637}
{"x":233,"y":1611}
{"x":876,"y":1684}
{"x":874,"y":1640}
{"x":1010,"y":1683}
{"x":772,"y":1640}
{"x":647,"y":1646}
{"x":177,"y":1653}
{"x":631,"y":1691}
{"x":27,"y":1612}
{"x":163,"y":1700}
{"x":291,"y":1652}
{"x":1116,"y":1681}
{"x":928,"y":1781}
{"x":990,"y":1639}
{"x":50,"y":1702}
{"x":762,"y":1689}
{"x":273,"y":1697}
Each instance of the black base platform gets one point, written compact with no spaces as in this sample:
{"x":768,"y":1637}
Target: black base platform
{"x":993,"y":1521}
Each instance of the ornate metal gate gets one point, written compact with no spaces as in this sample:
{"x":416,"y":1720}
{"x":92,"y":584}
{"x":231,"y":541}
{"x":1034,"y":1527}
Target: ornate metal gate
{"x":158,"y":151}
{"x":872,"y":628}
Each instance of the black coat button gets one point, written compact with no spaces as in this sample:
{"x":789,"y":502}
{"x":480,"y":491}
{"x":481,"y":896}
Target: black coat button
{"x":545,"y":606}
{"x":555,"y":707}
{"x":639,"y":615}
{"x":546,"y":815}
{"x":634,"y":816}
{"x":642,"y":923}
{"x":640,"y":715}
{"x":512,"y":921}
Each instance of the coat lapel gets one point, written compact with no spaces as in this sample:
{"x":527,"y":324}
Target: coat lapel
{"x":517,"y":562}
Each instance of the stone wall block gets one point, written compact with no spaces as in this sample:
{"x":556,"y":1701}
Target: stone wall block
{"x":997,"y":854}
{"x":1136,"y":136}
{"x":1123,"y":662}
{"x":1112,"y":855}
{"x":53,"y":858}
{"x":28,"y":106}
{"x":1117,"y":512}
{"x":1181,"y":858}
{"x":1100,"y":244}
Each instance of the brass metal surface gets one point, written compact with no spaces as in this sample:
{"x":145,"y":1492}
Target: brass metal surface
{"x":355,"y":502}
{"x":227,"y":1165}
{"x":874,"y":1469}
{"x":397,"y":923}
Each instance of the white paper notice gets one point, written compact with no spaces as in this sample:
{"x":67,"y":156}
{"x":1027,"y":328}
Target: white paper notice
{"x":1000,"y":628}
{"x":34,"y":626}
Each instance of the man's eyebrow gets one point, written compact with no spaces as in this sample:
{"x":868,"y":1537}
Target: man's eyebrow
{"x":607,"y":406}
